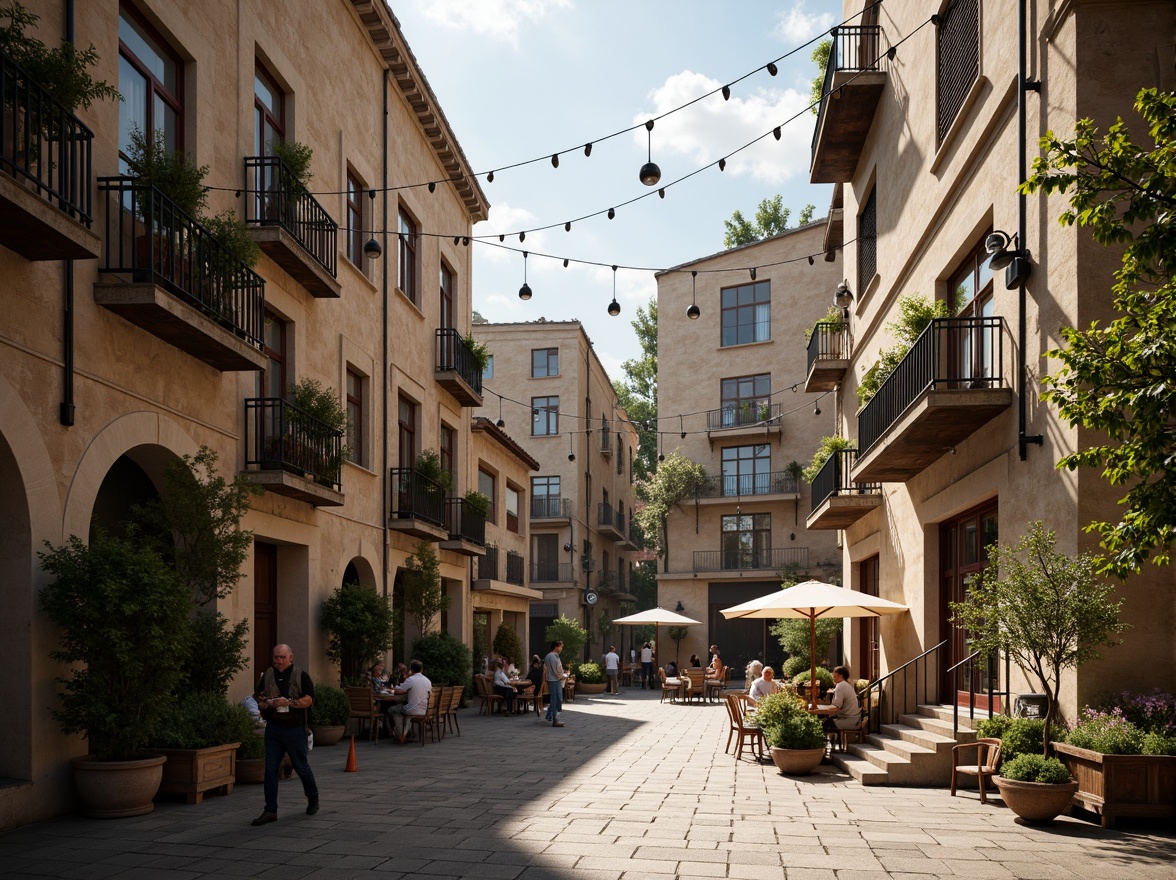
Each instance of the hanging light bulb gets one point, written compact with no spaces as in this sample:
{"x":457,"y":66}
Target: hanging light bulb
{"x":501,"y":422}
{"x":649,"y":174}
{"x":502,"y":236}
{"x":490,"y":177}
{"x":726,"y":93}
{"x":571,"y":452}
{"x":891,"y":52}
{"x":525,"y":290}
{"x":555,"y":160}
{"x":810,"y":259}
{"x":465,"y":241}
{"x":753,"y":273}
{"x":432,"y":186}
{"x":614,"y":307}
{"x":612,"y":212}
{"x":682,"y":427}
{"x":661,"y":193}
{"x":776,"y":132}
{"x":568,"y":226}
{"x":693,"y":311}
{"x":522,"y":237}
{"x":587,"y":149}
{"x":817,"y":408}
{"x":456,"y":240}
{"x":772,"y":68}
{"x":661,"y":456}
{"x":722,"y":164}
{"x":565,"y":262}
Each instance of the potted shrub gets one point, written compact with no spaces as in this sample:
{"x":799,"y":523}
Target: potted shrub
{"x":295,"y":182}
{"x":826,"y":448}
{"x":428,"y":465}
{"x":251,"y":759}
{"x":120,"y":609}
{"x":329,"y":715}
{"x":1036,"y":788}
{"x":824,"y":677}
{"x":359,"y":625}
{"x":794,"y":736}
{"x":200,"y":737}
{"x":1018,"y":736}
{"x":590,"y":678}
{"x":478,"y":352}
{"x":478,"y":503}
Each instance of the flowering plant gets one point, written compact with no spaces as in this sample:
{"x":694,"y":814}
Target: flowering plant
{"x":1151,"y":713}
{"x":1112,"y":733}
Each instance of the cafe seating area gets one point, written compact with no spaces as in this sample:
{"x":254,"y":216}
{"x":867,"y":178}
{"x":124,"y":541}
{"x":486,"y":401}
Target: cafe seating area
{"x":440,"y":718}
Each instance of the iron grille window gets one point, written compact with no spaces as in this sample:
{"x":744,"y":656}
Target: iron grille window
{"x":957,"y":49}
{"x":867,"y":242}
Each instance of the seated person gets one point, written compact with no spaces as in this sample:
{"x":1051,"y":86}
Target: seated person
{"x":418,"y":688}
{"x":716,"y":664}
{"x":401,"y":674}
{"x":250,"y":704}
{"x":379,"y":678}
{"x":512,"y":671}
{"x":502,"y":686}
{"x":762,"y":686}
{"x":535,"y":673}
{"x":845,"y":712}
{"x":695,"y":662}
{"x":754,"y":668}
{"x":671,"y":669}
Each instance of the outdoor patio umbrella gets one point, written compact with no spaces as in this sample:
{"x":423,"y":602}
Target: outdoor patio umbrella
{"x":657,"y":616}
{"x":810,"y":600}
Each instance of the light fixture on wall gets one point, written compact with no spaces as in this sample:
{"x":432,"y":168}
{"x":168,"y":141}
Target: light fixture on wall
{"x":843,"y":298}
{"x":614,"y":307}
{"x":1014,"y":261}
{"x":525,"y":290}
{"x":679,"y":607}
{"x":693,"y":311}
{"x":649,"y":174}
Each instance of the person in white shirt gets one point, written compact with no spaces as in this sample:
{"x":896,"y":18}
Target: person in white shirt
{"x":646,"y":667}
{"x":418,"y":689}
{"x":762,"y":686}
{"x":553,"y":671}
{"x":612,"y":668}
{"x":502,"y":686}
{"x":845,"y":712}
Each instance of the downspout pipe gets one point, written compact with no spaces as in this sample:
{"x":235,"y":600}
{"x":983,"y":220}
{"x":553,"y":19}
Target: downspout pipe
{"x":1024,"y":85}
{"x":66,"y":414}
{"x":384,"y":359}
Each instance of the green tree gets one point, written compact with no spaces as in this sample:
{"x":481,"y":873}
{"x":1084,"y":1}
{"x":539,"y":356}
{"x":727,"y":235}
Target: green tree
{"x":424,"y":599}
{"x":678,"y":635}
{"x":507,"y":644}
{"x":573,"y":636}
{"x":1117,"y":379}
{"x":676,"y":479}
{"x":358,"y":621}
{"x":644,"y":586}
{"x":821,"y":57}
{"x":637,"y":393}
{"x":1043,"y":609}
{"x":771,"y":218}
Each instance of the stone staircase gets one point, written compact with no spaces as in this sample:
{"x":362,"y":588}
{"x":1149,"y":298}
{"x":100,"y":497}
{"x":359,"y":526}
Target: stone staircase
{"x":916,"y":751}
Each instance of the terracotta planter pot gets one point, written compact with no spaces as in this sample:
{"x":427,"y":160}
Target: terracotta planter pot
{"x":797,"y":762}
{"x":1121,"y":785}
{"x":114,"y":789}
{"x":582,"y":688}
{"x":250,"y":771}
{"x":191,"y":772}
{"x":328,"y":735}
{"x":1038,"y":803}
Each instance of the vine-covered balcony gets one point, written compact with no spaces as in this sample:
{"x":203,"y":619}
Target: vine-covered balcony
{"x":467,"y":528}
{"x":854,"y":81}
{"x":290,"y":226}
{"x":175,"y":280}
{"x":292,"y":453}
{"x":829,"y":349}
{"x":46,"y":208}
{"x":458,"y":371}
{"x":837,"y":501}
{"x":951,"y":383}
{"x":417,"y":505}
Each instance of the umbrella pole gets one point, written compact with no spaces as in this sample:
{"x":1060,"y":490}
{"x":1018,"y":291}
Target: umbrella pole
{"x":813,"y":660}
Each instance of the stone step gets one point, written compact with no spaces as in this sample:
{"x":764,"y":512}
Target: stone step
{"x":933,"y":724}
{"x":928,"y":739}
{"x":860,"y":769}
{"x":905,"y":749}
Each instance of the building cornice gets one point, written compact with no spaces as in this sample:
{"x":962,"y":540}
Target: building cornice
{"x":483,"y":425}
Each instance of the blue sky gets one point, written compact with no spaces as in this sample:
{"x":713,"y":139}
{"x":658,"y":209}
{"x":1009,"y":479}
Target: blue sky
{"x":520,"y":79}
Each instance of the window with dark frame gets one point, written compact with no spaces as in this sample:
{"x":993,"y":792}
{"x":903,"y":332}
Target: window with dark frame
{"x":545,"y":416}
{"x":957,"y":61}
{"x":746,"y":313}
{"x":269,"y":102}
{"x":747,"y":540}
{"x":150,"y":80}
{"x":271,"y":381}
{"x":446,"y":285}
{"x":406,"y":432}
{"x":747,"y":469}
{"x":355,"y":418}
{"x":544,"y":363}
{"x":545,"y":497}
{"x":408,"y":256}
{"x":355,"y":194}
{"x":486,"y":483}
{"x":743,"y":397}
{"x":867,"y":241}
{"x":970,"y":289}
{"x":448,"y":453}
{"x":512,"y":508}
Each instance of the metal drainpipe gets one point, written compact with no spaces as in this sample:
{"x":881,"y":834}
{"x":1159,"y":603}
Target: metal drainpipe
{"x":384,"y":365}
{"x":66,"y":414}
{"x":1023,"y":85}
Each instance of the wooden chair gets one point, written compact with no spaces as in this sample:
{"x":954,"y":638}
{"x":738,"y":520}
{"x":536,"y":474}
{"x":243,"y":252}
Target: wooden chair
{"x":569,"y":687}
{"x":841,"y":739}
{"x":987,"y":763}
{"x":745,"y":732}
{"x":486,"y":695}
{"x":451,"y":709}
{"x":436,"y":721}
{"x":524,"y":699}
{"x":672,"y":689}
{"x":714,"y":684}
{"x":363,"y":706}
{"x":539,"y":695}
{"x":626,"y":675}
{"x":732,"y":727}
{"x":420,"y":723}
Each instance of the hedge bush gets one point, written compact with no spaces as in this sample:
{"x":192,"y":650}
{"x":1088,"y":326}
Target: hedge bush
{"x":203,"y":720}
{"x":330,"y":706}
{"x":1035,"y":768}
{"x":447,"y":661}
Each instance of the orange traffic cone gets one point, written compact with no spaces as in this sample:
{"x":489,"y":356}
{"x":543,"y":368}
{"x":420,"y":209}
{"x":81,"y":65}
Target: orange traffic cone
{"x":351,"y":767}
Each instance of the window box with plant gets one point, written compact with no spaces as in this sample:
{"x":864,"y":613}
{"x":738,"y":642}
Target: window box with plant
{"x":200,"y":737}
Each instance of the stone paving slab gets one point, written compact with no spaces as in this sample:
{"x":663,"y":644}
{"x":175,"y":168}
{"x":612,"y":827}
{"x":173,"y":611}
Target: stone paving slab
{"x":630,"y":789}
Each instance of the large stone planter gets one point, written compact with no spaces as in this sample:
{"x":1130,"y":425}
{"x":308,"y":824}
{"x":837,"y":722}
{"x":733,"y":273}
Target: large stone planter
{"x":583,"y":688}
{"x":797,"y":762}
{"x":1121,"y":785}
{"x":328,"y":735}
{"x":1037,"y":803}
{"x":114,"y":789}
{"x":191,"y":772}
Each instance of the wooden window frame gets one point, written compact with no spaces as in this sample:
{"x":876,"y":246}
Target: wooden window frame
{"x":729,"y":314}
{"x":356,"y":419}
{"x":155,"y":87}
{"x":262,"y":113}
{"x":406,"y":431}
{"x":355,"y":193}
{"x":549,"y":355}
{"x":492,"y":512}
{"x":407,"y":235}
{"x":548,"y":416}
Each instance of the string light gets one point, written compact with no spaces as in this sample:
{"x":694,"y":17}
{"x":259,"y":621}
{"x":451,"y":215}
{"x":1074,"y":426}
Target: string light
{"x":772,"y":68}
{"x":614,"y":307}
{"x":525,"y":290}
{"x":501,"y":422}
{"x":649,"y":174}
{"x":693,"y":311}
{"x":571,"y":450}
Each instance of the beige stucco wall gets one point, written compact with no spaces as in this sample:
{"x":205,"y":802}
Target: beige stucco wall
{"x":691,"y":365}
{"x":933,"y":206}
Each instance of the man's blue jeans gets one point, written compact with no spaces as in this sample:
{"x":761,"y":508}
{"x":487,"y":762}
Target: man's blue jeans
{"x":647,"y":674}
{"x":290,"y":741}
{"x":555,"y":690}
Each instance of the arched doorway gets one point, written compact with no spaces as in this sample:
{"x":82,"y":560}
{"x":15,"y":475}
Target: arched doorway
{"x":125,"y":487}
{"x":16,"y":598}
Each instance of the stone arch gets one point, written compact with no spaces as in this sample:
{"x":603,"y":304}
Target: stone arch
{"x":363,"y":567}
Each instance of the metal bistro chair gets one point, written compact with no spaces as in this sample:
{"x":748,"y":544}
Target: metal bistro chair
{"x":987,"y":763}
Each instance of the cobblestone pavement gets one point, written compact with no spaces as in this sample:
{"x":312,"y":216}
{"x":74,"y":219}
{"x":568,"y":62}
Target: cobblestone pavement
{"x":629,"y":789}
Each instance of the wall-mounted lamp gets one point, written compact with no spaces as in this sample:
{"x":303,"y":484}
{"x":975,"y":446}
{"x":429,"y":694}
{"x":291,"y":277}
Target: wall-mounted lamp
{"x":843,"y":298}
{"x":679,"y":608}
{"x":1014,"y":261}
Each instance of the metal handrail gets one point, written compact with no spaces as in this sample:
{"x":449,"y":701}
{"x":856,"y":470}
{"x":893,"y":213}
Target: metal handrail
{"x":275,"y":197}
{"x":736,"y":485}
{"x":605,"y":437}
{"x":279,"y":435}
{"x":551,"y":572}
{"x":415,"y":496}
{"x":453,"y":353}
{"x":830,"y":342}
{"x":515,"y":567}
{"x":833,"y":479}
{"x":550,"y":507}
{"x":747,"y":413}
{"x":604,"y":515}
{"x":743,"y":560}
{"x":850,"y":44}
{"x":465,"y":522}
{"x":969,"y":664}
{"x":879,"y":688}
{"x":44,"y":143}
{"x":488,"y":564}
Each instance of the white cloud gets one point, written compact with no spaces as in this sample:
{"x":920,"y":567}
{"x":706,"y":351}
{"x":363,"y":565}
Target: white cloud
{"x":713,"y":128}
{"x":795,"y":26}
{"x":496,"y":19}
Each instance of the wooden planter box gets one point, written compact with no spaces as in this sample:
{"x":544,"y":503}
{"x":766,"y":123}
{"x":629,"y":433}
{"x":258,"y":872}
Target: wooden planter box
{"x":191,"y":772}
{"x":1121,"y":785}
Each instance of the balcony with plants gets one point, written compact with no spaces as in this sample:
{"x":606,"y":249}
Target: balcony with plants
{"x":746,"y":418}
{"x":418,"y":498}
{"x":465,"y":518}
{"x":287,"y":222}
{"x":742,"y":559}
{"x":294,"y":445}
{"x":837,"y":501}
{"x":461,"y":361}
{"x":169,"y":268}
{"x":855,"y":78}
{"x":829,"y":348}
{"x":46,"y":168}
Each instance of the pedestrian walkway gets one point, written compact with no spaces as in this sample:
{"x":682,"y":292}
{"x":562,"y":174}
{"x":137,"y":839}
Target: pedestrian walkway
{"x":630,"y":789}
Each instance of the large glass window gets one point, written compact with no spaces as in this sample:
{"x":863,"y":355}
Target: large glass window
{"x":268,"y":113}
{"x":544,"y":362}
{"x":747,"y":470}
{"x":486,"y":483}
{"x":354,"y":219}
{"x":747,"y":313}
{"x":746,"y":400}
{"x":150,"y":82}
{"x":971,"y":290}
{"x":957,"y":53}
{"x":355,"y":417}
{"x":545,"y":497}
{"x":408,"y":256}
{"x":747,"y":540}
{"x":544,"y":416}
{"x":406,"y":428}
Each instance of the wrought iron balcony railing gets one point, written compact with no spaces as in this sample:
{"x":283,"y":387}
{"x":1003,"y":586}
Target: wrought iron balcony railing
{"x":604,"y":515}
{"x":44,"y":144}
{"x":606,"y":581}
{"x":488,"y":564}
{"x":150,"y":238}
{"x":279,"y":435}
{"x":552,"y":572}
{"x":855,"y":48}
{"x":742,"y":415}
{"x":737,"y":485}
{"x":833,"y":479}
{"x":464,"y":522}
{"x":274,"y":197}
{"x":951,"y":353}
{"x":515,"y":567}
{"x":750,"y":558}
{"x":454,"y":354}
{"x":636,"y":536}
{"x":550,"y":507}
{"x":830,"y":342}
{"x":415,"y":496}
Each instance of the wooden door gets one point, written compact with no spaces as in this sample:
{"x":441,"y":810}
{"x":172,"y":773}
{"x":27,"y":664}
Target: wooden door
{"x":868,"y":663}
{"x":265,"y":605}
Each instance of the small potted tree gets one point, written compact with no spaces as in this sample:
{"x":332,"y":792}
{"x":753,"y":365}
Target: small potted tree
{"x":590,"y":678}
{"x":359,"y":625}
{"x":1036,"y":788}
{"x":316,"y":416}
{"x":794,"y":736}
{"x":329,"y":715}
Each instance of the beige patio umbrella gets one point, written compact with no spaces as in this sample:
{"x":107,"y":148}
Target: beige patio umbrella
{"x":810,"y":600}
{"x":657,"y":617}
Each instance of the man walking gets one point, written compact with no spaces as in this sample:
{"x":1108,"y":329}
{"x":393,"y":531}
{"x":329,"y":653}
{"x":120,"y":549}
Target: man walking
{"x":284,"y":695}
{"x":612,"y":668}
{"x":553,"y":671}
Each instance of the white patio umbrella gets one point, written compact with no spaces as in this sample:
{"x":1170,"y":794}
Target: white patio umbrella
{"x":657,"y":617}
{"x":810,"y":600}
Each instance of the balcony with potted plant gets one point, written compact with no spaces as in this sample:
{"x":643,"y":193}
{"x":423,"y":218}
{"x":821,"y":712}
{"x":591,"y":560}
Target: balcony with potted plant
{"x":838,"y":501}
{"x":461,"y":360}
{"x":418,"y":498}
{"x":746,"y":418}
{"x":465,"y":518}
